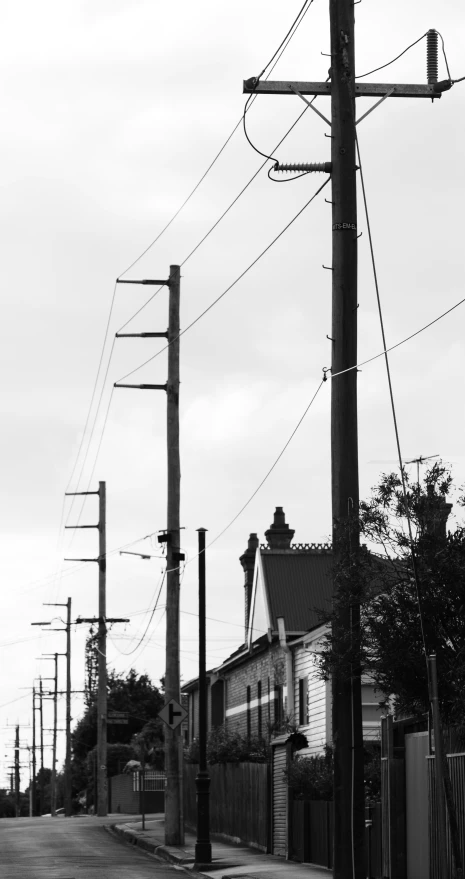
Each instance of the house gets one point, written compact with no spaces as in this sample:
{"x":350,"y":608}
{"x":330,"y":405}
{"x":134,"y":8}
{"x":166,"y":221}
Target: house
{"x":273,"y":675}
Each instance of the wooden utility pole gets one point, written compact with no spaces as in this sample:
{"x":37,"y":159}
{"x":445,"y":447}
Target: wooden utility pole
{"x":17,"y":779}
{"x":53,"y":786}
{"x":346,"y":685}
{"x":41,"y":715}
{"x":68,"y":796}
{"x":174,"y":828}
{"x":34,"y":769}
{"x":174,"y":831}
{"x":102,"y":782}
{"x":349,"y":794}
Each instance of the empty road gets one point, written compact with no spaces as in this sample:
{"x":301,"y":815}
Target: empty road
{"x":72,"y":848}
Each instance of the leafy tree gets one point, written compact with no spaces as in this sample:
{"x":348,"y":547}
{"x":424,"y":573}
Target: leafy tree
{"x":141,"y":700}
{"x":394,"y":633}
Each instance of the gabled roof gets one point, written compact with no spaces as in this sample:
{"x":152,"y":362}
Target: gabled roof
{"x":299,"y":584}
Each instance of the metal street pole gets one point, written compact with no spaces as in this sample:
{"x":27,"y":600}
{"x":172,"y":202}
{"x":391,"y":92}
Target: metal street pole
{"x":102,"y":804}
{"x":203,"y":849}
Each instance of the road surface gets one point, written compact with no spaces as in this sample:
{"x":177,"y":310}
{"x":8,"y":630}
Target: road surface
{"x":72,"y":848}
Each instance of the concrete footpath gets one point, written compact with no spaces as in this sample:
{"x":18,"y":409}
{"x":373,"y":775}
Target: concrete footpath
{"x":228,"y":859}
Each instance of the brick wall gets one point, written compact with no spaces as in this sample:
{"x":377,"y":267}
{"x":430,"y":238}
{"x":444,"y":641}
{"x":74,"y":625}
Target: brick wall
{"x":243,"y":705}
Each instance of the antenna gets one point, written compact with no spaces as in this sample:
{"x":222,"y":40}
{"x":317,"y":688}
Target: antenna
{"x":420,"y":460}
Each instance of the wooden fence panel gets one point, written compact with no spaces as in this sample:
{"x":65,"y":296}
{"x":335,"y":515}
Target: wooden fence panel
{"x":239,"y":801}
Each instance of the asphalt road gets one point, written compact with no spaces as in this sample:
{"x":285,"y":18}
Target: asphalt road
{"x":72,"y":848}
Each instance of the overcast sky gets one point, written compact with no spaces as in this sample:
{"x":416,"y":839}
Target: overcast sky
{"x":112,"y":110}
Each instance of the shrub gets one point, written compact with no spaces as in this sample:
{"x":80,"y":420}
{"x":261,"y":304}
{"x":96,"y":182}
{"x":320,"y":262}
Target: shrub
{"x":227,"y":746}
{"x":311,"y":778}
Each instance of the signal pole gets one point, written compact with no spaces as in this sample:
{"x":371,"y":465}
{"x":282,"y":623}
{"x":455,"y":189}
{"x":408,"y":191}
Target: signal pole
{"x":346,"y":687}
{"x":174,"y":826}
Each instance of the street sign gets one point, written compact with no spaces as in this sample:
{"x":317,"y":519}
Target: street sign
{"x":119,"y":717}
{"x":172,"y":713}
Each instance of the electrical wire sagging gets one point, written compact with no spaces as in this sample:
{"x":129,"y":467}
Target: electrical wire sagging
{"x":432,"y":56}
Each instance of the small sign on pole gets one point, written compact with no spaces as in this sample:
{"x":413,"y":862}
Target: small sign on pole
{"x":172,"y":713}
{"x":118,"y":717}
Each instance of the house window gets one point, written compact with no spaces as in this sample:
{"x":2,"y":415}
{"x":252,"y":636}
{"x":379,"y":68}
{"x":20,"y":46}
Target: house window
{"x":269,"y":707}
{"x":303,"y":701}
{"x":278,"y":705}
{"x":217,"y":703}
{"x":259,"y":709}
{"x":249,"y":718}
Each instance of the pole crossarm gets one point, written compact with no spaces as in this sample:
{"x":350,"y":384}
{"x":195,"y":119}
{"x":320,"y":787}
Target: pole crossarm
{"x":141,"y":335}
{"x":143,"y":387}
{"x":75,"y":494}
{"x":81,"y":526}
{"x":362,"y":90}
{"x":150,"y":281}
{"x":80,"y":560}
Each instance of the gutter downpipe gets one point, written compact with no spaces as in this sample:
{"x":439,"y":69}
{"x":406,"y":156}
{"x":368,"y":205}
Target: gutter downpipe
{"x":289,"y":671}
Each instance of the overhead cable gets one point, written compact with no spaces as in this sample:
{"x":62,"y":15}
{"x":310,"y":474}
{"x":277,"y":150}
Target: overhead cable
{"x":233,"y":284}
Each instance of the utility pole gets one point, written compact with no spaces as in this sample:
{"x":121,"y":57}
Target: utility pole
{"x":102,"y":805}
{"x":346,"y":687}
{"x":53,"y":804}
{"x":17,"y":780}
{"x":174,"y":828}
{"x":41,"y":715}
{"x":102,"y":783}
{"x":67,"y":629}
{"x":68,"y":794}
{"x":34,"y":770}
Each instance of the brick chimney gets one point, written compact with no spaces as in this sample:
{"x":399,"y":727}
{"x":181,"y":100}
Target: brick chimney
{"x":279,"y":535}
{"x":436,"y":515}
{"x":247,"y":561}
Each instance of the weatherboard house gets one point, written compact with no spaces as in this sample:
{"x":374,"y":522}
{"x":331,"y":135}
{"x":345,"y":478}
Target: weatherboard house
{"x":273,"y":678}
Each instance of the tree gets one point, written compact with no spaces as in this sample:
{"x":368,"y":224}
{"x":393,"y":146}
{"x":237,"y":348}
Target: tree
{"x":403,"y":615}
{"x":140,"y":699}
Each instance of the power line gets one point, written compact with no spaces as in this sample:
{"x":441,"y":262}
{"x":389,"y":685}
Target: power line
{"x":394,"y":415}
{"x":361,"y":75}
{"x":236,"y":281}
{"x":220,"y":151}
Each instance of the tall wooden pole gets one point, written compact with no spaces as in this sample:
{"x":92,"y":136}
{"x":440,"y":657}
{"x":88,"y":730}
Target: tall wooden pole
{"x":41,"y":715}
{"x":346,"y":684}
{"x":68,"y":713}
{"x":174,"y":830}
{"x":34,"y":768}
{"x":17,"y":780}
{"x":102,"y":802}
{"x":53,"y":785}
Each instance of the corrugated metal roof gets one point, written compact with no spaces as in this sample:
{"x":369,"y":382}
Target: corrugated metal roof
{"x":299,"y":584}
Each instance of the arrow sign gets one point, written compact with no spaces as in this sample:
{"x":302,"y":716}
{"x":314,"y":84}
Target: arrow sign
{"x":172,"y":713}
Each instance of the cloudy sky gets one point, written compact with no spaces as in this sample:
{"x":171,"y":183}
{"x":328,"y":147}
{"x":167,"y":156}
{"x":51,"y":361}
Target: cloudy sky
{"x":112,"y":111}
